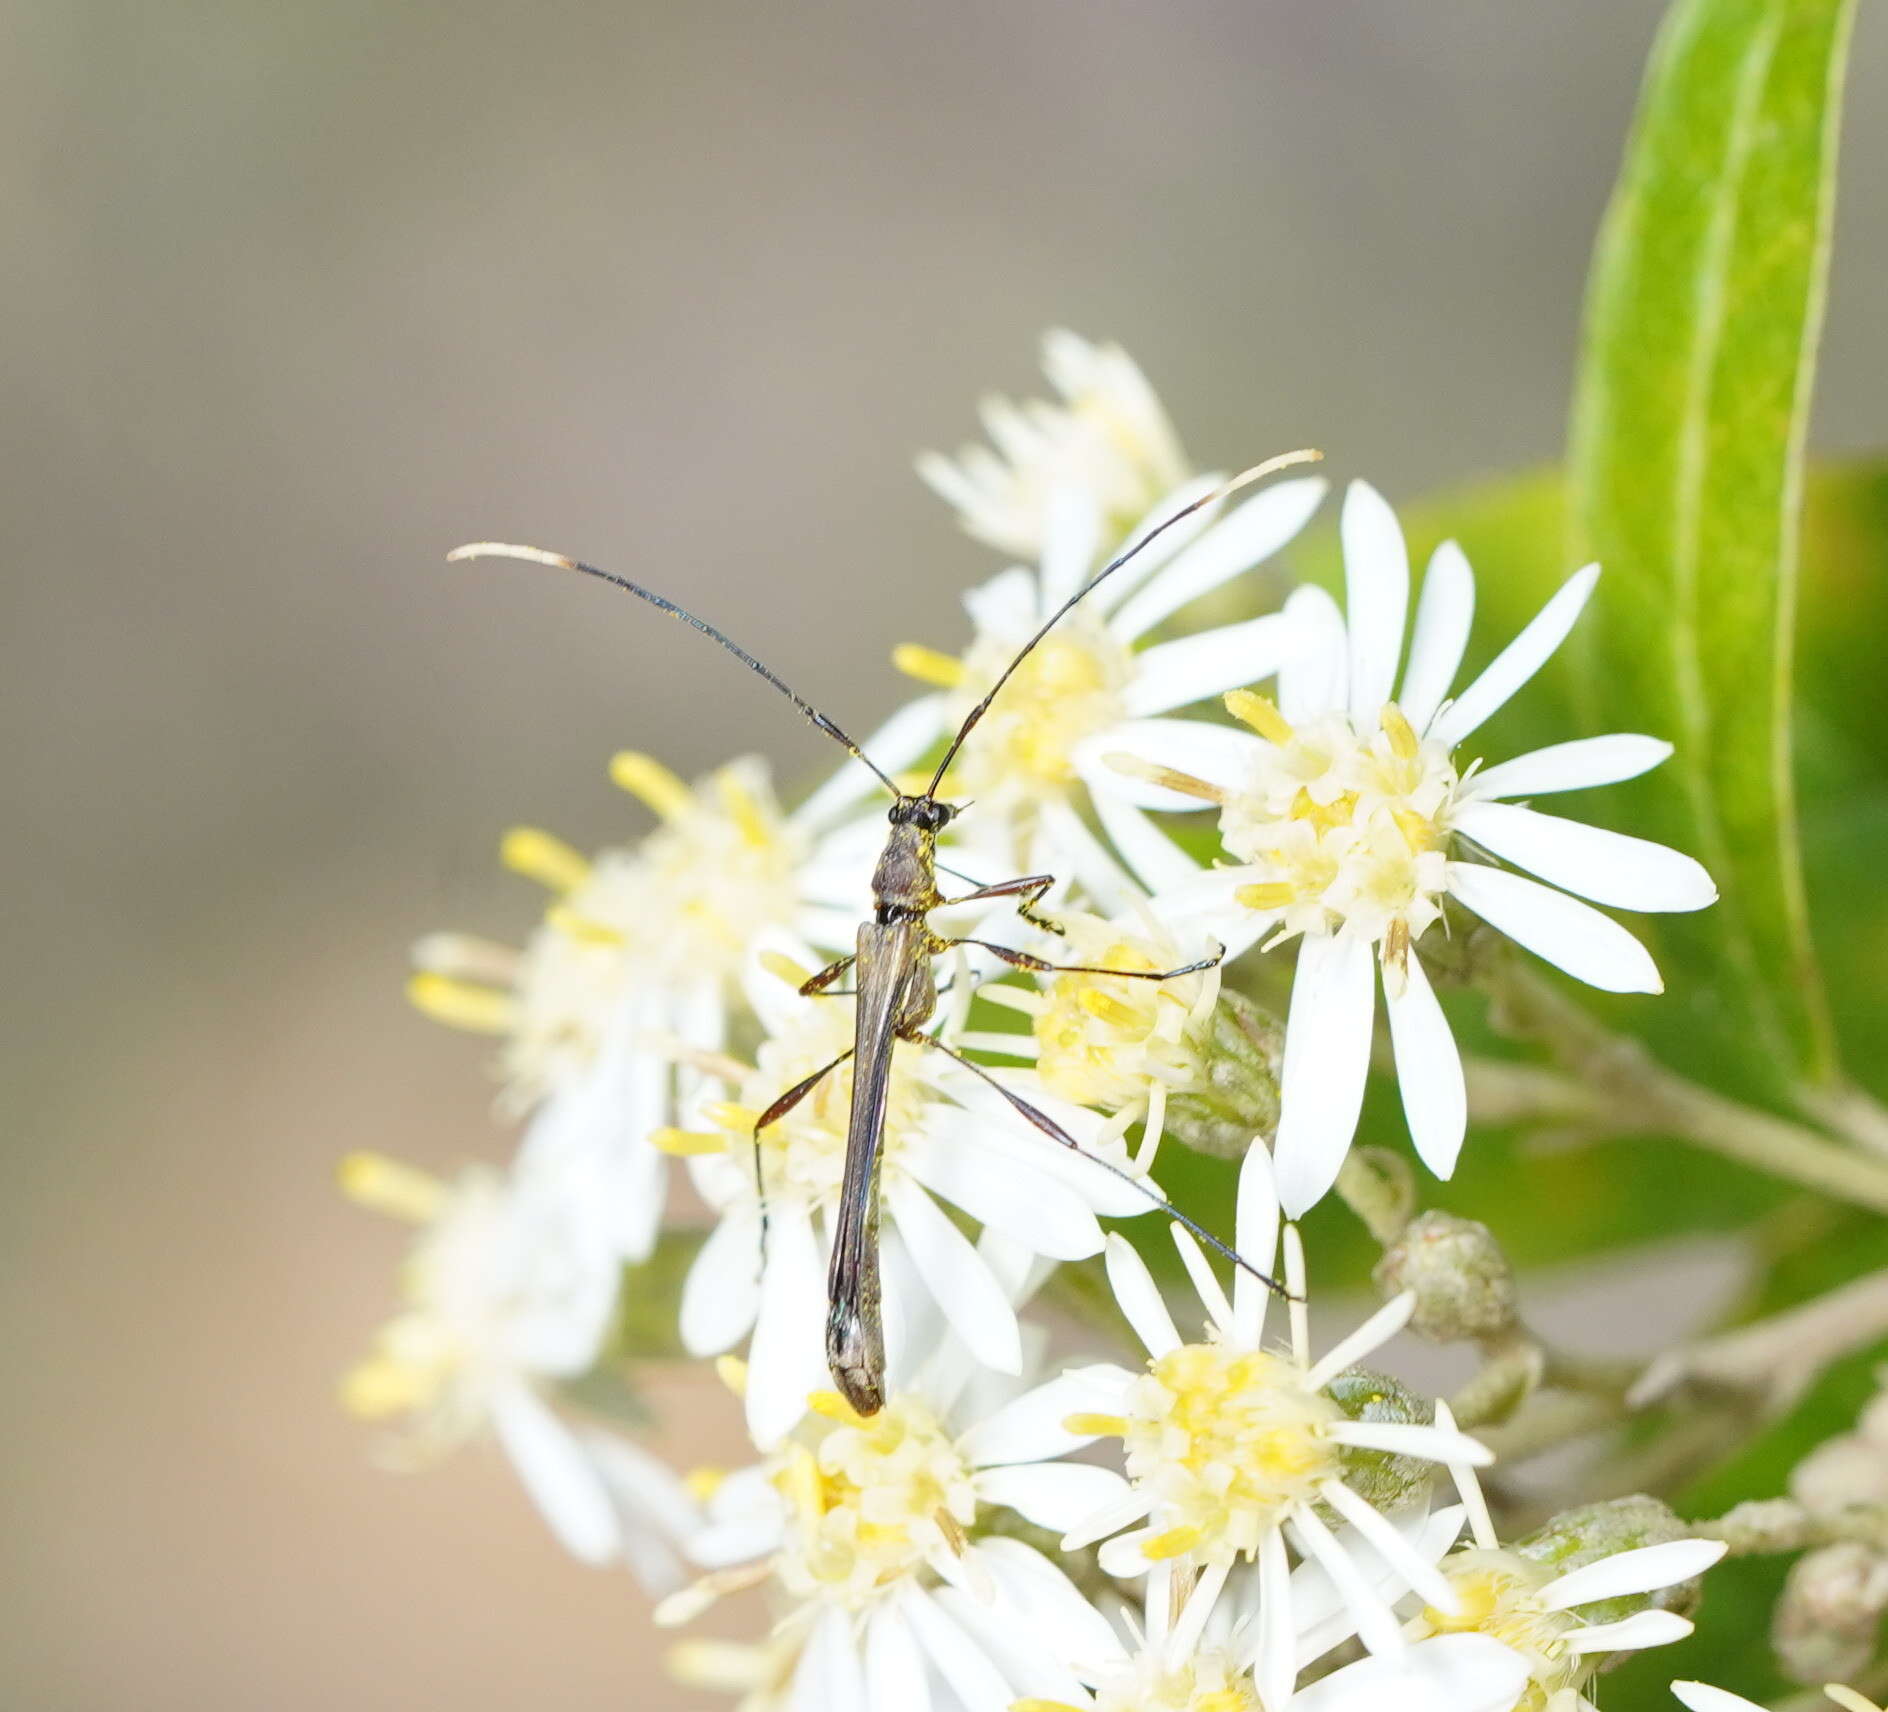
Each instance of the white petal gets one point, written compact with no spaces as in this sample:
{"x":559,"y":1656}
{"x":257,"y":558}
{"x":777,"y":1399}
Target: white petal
{"x":1245,"y":537}
{"x":1255,"y":1227}
{"x":1006,"y":605}
{"x":1274,"y":1669}
{"x":1376,"y":1626}
{"x":894,"y":1667}
{"x":1444,"y":615}
{"x":1428,"y":1070}
{"x":1608,"y":867}
{"x":1450,"y":1673}
{"x":1205,"y":1283}
{"x":1369,"y":1337}
{"x":1140,"y":1300}
{"x":787,"y":1361}
{"x":1312,"y":679}
{"x":1408,"y":1438}
{"x":1319,"y":1614}
{"x":958,"y":1278}
{"x":1327,"y":1057}
{"x":1006,"y":1194}
{"x":561,"y":1480}
{"x":1630,"y":1634}
{"x":895,"y":745}
{"x":1122,"y":1555}
{"x":1517,"y":662}
{"x":1132,"y":1507}
{"x":1376,"y":599}
{"x":1704,"y":1697}
{"x":1176,"y":674}
{"x":957,"y":1658}
{"x":830,"y":1676}
{"x":1053,"y":1495}
{"x":1159,"y":549}
{"x":1158,"y":863}
{"x":1569,"y":934}
{"x":1029,"y":1428}
{"x":1015,"y":1647}
{"x":1055,"y":1608}
{"x":1208,"y":904}
{"x":1419,"y":1572}
{"x":1644,"y":1570}
{"x":1071,"y":533}
{"x":1215,"y":753}
{"x":722,"y":1290}
{"x":1079,"y":858}
{"x":1571,"y":766}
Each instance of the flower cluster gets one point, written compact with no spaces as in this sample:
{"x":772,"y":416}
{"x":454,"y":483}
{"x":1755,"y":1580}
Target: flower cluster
{"x":1223,"y":1519}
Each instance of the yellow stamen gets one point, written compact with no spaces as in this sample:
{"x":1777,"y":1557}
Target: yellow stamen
{"x":1107,"y":1008}
{"x":744,"y":809}
{"x":388,"y":1186}
{"x":1419,"y":832}
{"x":728,"y":1115}
{"x":459,"y":1004}
{"x":586,"y":930}
{"x":544,"y":857}
{"x":731,"y":1370}
{"x":1096,"y":1426}
{"x":377,"y":1388}
{"x":651,"y":783}
{"x":783,"y":968}
{"x":833,"y":1406}
{"x":1173,"y":1543}
{"x":1271,"y":895}
{"x":704,"y":1482}
{"x":799,"y":1483}
{"x":1401,"y":733}
{"x":1222,"y":1700}
{"x":928,"y":666}
{"x":1261,"y":713}
{"x":687,"y":1143}
{"x":953,"y":1532}
{"x":466,"y":957}
{"x":1133,"y":767}
{"x":1324,"y":816}
{"x":1396,"y":947}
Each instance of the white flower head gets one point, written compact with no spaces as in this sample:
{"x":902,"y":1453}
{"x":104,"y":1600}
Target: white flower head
{"x":511,"y":1285}
{"x":1351,"y":817}
{"x":1092,"y":683}
{"x":948,"y":1136}
{"x":642,"y":949}
{"x":1232,"y":1447}
{"x":1538,"y":1613}
{"x":1109,"y":438}
{"x":870,"y":1528}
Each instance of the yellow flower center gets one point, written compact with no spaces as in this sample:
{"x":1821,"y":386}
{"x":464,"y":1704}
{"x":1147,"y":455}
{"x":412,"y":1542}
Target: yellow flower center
{"x":1068,"y":688}
{"x":1498,"y":1592}
{"x":870,"y":1500}
{"x":1227,"y":1441}
{"x":1350,"y":830}
{"x":1208,"y":1682}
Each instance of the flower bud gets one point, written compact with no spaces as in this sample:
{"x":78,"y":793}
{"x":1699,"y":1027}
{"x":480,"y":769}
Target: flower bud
{"x":1463,"y":1283}
{"x":1591,"y":1531}
{"x":1233,"y":1096}
{"x":1829,"y":1611}
{"x":1381,"y":1477}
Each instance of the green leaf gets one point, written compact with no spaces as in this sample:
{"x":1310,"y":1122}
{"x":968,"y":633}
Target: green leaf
{"x":1686,"y":471}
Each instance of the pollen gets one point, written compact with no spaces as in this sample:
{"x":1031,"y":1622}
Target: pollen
{"x":649,"y":782}
{"x":928,"y":666}
{"x":687,"y":1143}
{"x":544,"y":857}
{"x":1261,"y":713}
{"x":461,"y":1004}
{"x":388,"y":1186}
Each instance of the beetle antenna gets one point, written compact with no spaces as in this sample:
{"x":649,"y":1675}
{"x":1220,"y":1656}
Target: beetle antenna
{"x":1270,"y":466}
{"x":558,"y":561}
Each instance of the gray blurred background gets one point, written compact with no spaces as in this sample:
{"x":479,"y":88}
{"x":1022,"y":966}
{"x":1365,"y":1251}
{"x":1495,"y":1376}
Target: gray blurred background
{"x":297,"y":297}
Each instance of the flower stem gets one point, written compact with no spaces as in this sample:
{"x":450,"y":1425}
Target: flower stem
{"x":1783,"y":1525}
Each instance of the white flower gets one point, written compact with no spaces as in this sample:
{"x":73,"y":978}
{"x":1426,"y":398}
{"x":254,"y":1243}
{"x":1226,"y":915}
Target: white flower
{"x":1703,"y":1697}
{"x":1452,"y":1673}
{"x":1091,"y":685}
{"x":511,"y":1284}
{"x":642,"y":948}
{"x":1109,"y":439}
{"x":867,"y":1525}
{"x":1230,"y":1447}
{"x":1537,"y":1612}
{"x":947,"y":1136}
{"x":1351,"y":818}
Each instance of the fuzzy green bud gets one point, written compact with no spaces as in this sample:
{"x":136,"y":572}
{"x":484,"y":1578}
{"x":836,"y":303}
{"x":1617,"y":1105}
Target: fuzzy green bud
{"x":1382,"y":1477}
{"x":1233,"y":1096}
{"x":1463,"y":1283}
{"x":1829,"y":1613}
{"x":1589,"y":1532}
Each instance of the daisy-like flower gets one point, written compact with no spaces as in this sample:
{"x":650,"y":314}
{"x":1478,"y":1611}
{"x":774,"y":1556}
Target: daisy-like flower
{"x":1233,"y":1448}
{"x":1091,"y":684}
{"x":1108,"y":438}
{"x":510,"y":1286}
{"x":1113,"y":1042}
{"x":872,"y":1529}
{"x":642,"y":948}
{"x":1351,"y":816}
{"x":1547,"y":1618}
{"x":948,"y":1136}
{"x":1703,"y":1697}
